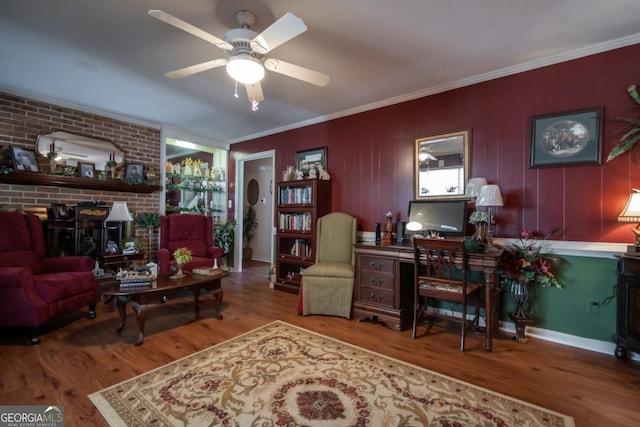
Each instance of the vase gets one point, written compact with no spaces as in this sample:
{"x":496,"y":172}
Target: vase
{"x":519,"y":290}
{"x":179,"y":274}
{"x":52,"y":165}
{"x":481,"y":233}
{"x":112,"y":172}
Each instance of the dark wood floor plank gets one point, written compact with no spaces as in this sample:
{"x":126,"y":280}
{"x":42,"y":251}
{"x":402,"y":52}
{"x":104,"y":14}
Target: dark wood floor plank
{"x":78,"y":356}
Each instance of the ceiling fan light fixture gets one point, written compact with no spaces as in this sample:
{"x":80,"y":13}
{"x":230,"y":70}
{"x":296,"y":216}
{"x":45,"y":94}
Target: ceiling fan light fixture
{"x":245,"y":69}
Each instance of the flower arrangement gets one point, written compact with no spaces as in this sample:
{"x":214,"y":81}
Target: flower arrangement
{"x":182,"y":255}
{"x":478,"y":217}
{"x":524,"y":262}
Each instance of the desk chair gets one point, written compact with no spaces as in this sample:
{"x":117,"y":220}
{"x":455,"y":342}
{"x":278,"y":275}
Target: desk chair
{"x":440,"y":274}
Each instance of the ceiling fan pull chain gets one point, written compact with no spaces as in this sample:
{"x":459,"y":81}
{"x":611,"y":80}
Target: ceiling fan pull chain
{"x":236,"y":92}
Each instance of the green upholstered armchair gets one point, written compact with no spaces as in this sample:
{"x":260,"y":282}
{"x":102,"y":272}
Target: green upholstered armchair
{"x":327,"y":286}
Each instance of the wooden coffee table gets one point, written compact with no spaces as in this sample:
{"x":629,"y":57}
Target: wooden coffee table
{"x":158,"y":292}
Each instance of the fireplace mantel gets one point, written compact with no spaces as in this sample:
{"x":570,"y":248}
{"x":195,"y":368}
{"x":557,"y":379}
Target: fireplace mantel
{"x":31,"y":178}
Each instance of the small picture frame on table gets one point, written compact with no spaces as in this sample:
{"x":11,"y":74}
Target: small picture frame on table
{"x":306,"y":160}
{"x":112,"y":247}
{"x":86,"y":170}
{"x":567,"y":139}
{"x":134,"y":172}
{"x":59,"y":211}
{"x":25,"y":160}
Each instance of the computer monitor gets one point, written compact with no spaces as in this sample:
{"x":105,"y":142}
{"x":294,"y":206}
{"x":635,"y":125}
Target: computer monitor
{"x":446,"y":218}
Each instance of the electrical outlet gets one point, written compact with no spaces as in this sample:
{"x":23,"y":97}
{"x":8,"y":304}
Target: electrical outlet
{"x":593,"y":306}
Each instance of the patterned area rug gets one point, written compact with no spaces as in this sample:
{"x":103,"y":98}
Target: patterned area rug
{"x":281,"y":375}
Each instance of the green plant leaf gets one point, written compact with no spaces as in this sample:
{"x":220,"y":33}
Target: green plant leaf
{"x":629,"y":140}
{"x":633,"y":91}
{"x":623,"y":147}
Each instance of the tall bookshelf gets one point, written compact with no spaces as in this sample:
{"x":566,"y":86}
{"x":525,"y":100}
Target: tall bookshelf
{"x":299,"y":205}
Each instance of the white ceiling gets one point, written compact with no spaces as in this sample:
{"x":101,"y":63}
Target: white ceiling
{"x":110,"y":56}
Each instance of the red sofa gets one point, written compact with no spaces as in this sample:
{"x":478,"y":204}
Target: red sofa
{"x":193,"y":232}
{"x":33,"y":288}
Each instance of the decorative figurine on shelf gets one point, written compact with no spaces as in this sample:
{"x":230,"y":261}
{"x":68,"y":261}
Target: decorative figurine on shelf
{"x":182,"y":256}
{"x":168,"y":167}
{"x":387,"y":237}
{"x":313,"y":173}
{"x":323,"y":174}
{"x":299,"y":175}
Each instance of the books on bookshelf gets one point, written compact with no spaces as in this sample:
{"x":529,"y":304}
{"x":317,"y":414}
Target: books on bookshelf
{"x":295,"y":195}
{"x":295,"y":221}
{"x":301,"y":248}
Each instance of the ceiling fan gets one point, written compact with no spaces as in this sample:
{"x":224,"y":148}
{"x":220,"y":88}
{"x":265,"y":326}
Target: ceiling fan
{"x":247,"y":51}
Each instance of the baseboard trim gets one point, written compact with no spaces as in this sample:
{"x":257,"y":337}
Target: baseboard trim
{"x":590,"y":344}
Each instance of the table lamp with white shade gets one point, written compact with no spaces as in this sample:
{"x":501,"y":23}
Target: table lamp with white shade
{"x":119,"y":213}
{"x":489,"y":196}
{"x":473,"y":187}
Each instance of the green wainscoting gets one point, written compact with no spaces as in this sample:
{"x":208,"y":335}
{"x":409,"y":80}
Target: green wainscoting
{"x":565,"y":310}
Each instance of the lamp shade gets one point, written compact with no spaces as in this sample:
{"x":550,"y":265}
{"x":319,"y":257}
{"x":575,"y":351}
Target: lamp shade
{"x":245,"y":69}
{"x":474,"y":185}
{"x":631,"y":212}
{"x":489,"y":196}
{"x":119,"y":213}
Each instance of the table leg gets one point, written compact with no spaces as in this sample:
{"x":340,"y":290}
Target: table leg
{"x":218,"y":296}
{"x":141,"y":316}
{"x":121,"y":304}
{"x":489,"y":288}
{"x":196,"y":299}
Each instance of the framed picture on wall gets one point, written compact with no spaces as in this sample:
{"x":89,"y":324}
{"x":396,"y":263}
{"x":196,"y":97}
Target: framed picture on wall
{"x":86,"y":170}
{"x":24,"y":160}
{"x":306,"y":160}
{"x":567,"y":139}
{"x":134,"y":172}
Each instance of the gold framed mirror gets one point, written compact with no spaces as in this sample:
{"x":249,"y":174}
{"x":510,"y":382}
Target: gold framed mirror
{"x":442,"y":165}
{"x":73,"y":148}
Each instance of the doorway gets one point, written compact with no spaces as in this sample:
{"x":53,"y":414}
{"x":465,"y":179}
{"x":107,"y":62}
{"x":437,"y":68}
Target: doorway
{"x":257,"y":169}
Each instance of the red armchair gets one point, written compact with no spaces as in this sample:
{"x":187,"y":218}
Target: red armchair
{"x":34,"y":289}
{"x":193,"y":232}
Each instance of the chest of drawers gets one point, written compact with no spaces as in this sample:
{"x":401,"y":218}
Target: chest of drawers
{"x":378,"y":294}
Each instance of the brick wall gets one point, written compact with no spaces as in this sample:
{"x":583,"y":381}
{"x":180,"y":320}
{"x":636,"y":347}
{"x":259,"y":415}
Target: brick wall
{"x":22,"y":120}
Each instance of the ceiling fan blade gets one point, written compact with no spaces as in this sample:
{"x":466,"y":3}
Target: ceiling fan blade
{"x":185,"y":26}
{"x":254,"y":92}
{"x":283,"y":30}
{"x":184,"y":72}
{"x":296,"y":71}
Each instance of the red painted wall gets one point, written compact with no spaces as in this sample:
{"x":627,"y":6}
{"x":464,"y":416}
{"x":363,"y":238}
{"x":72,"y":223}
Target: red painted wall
{"x":370,"y":155}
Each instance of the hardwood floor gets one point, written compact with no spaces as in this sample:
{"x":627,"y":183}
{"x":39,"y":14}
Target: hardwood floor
{"x":78,"y":356}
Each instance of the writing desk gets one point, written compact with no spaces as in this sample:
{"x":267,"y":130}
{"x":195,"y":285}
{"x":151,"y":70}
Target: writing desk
{"x":384,"y":284}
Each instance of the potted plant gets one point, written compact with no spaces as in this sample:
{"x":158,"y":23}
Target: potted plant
{"x":249,"y":227}
{"x":224,"y":236}
{"x":149,"y":220}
